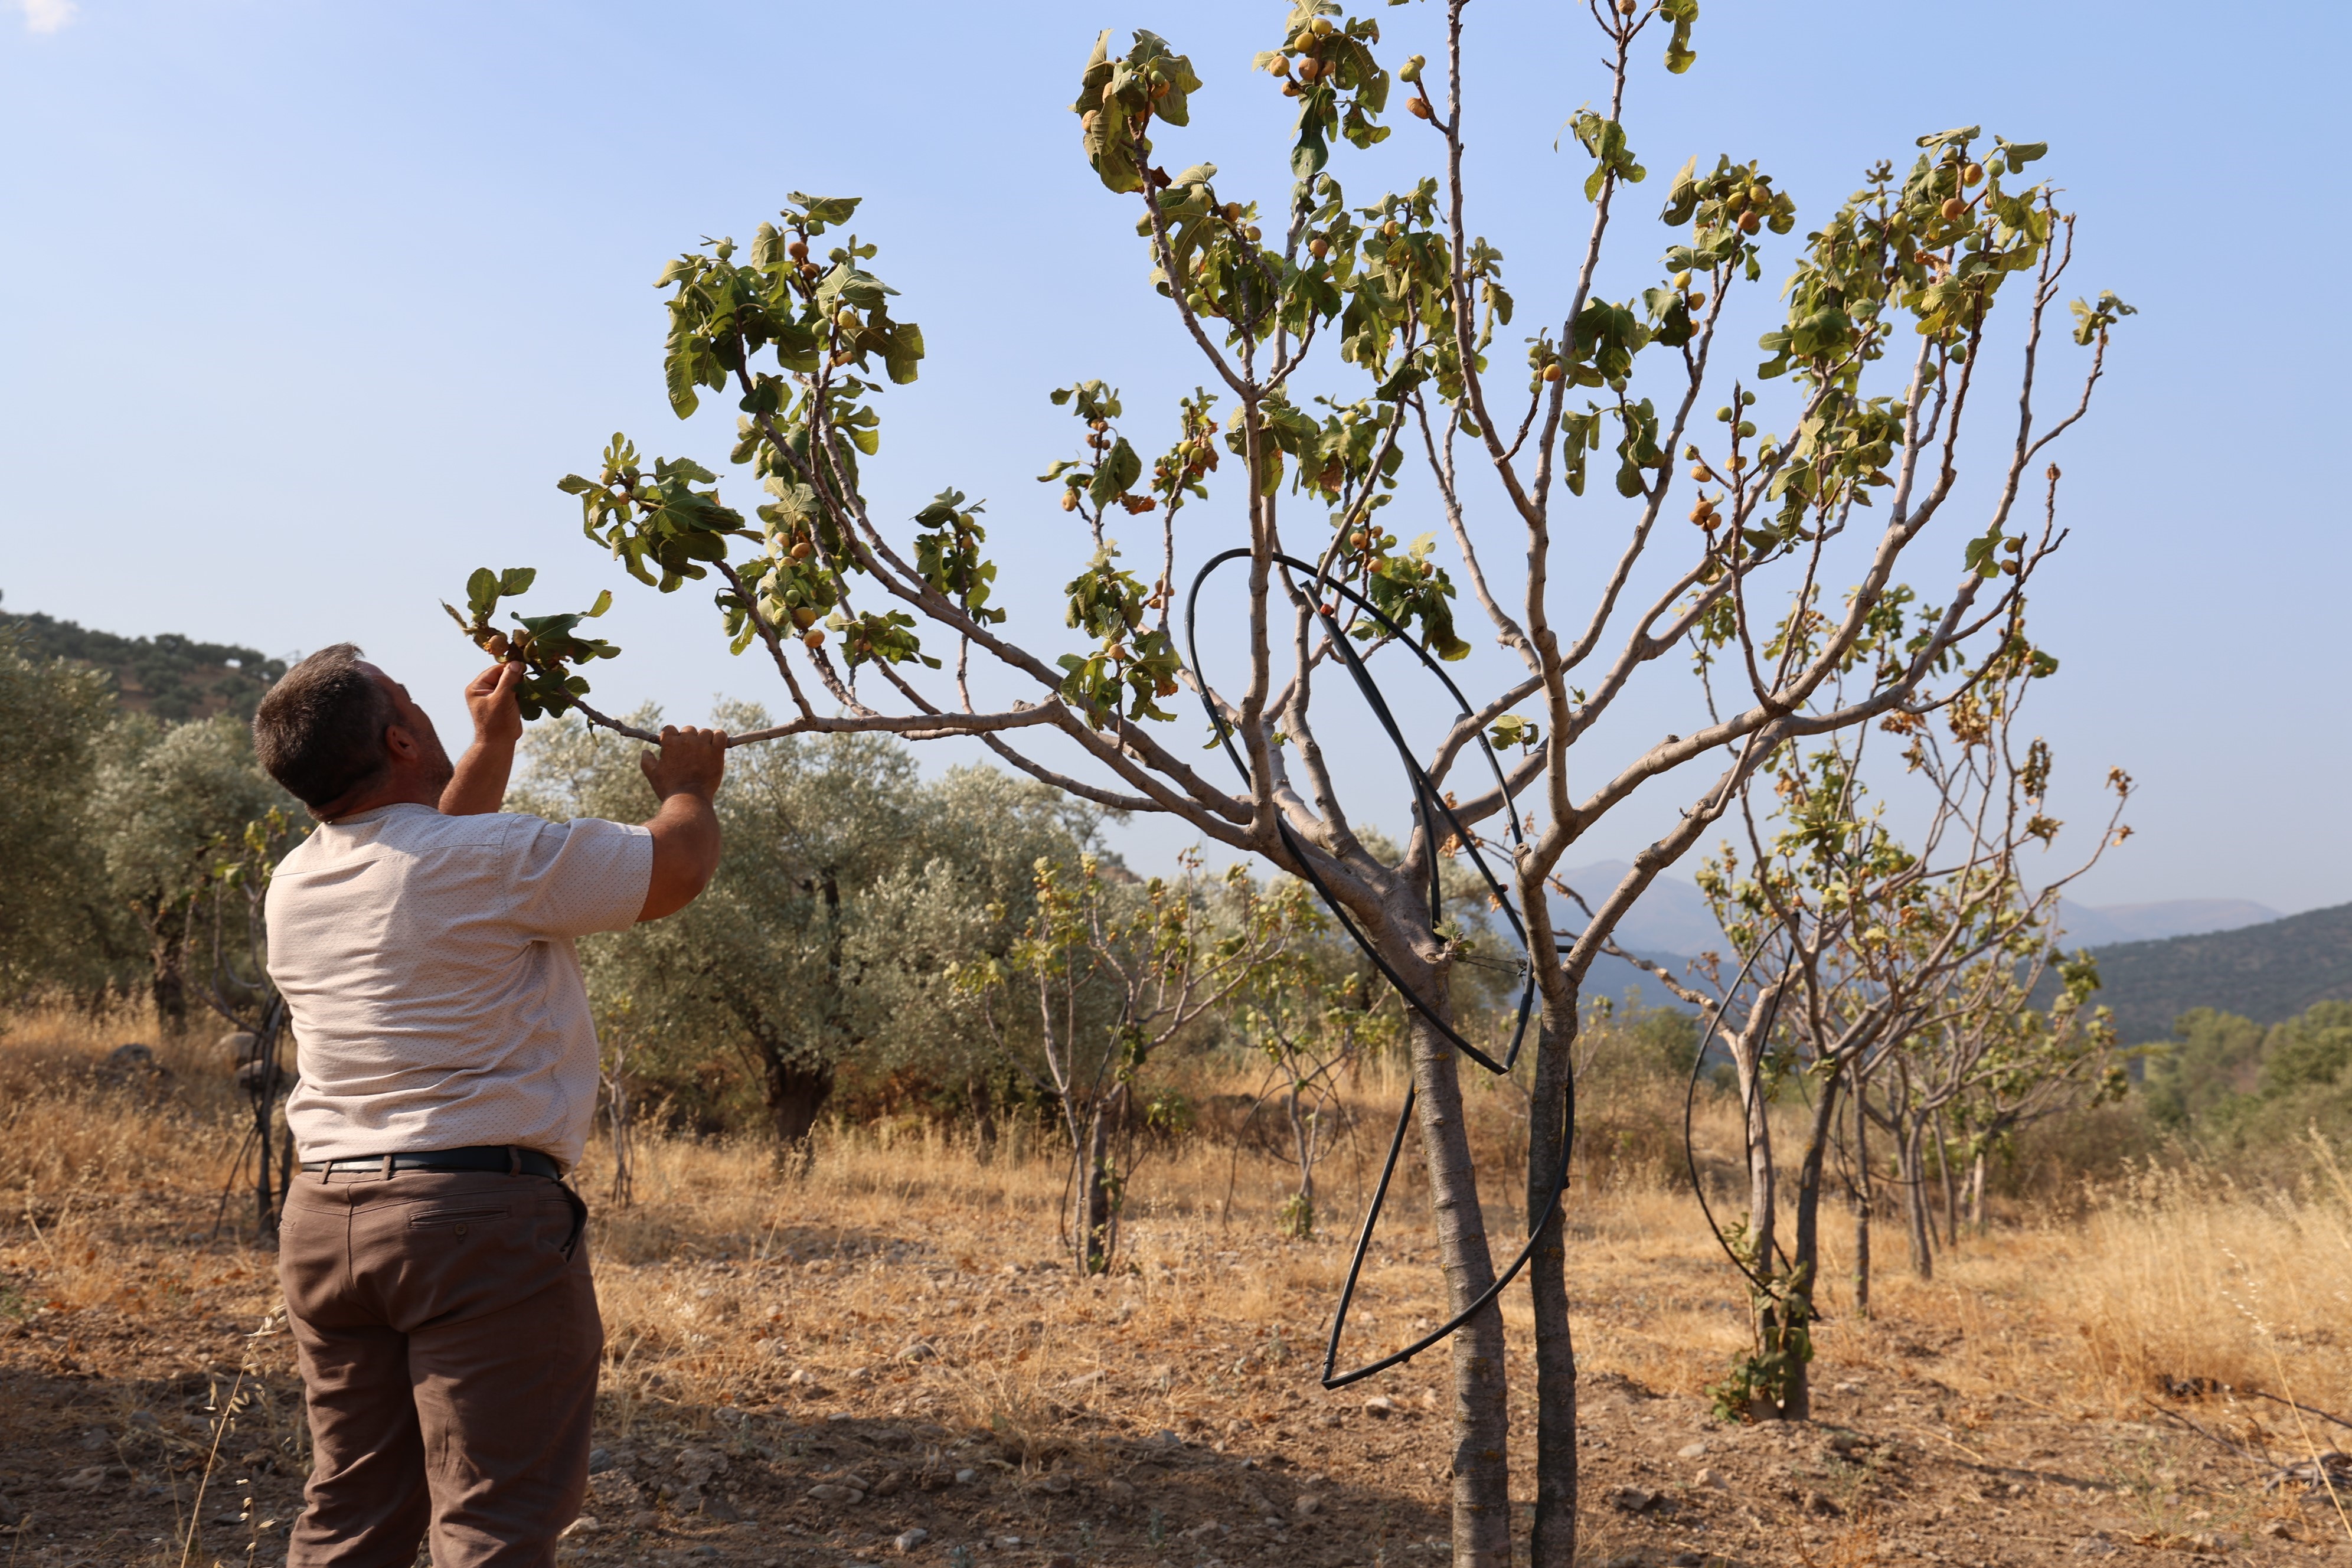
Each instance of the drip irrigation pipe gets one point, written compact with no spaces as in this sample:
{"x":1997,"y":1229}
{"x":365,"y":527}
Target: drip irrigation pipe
{"x":1429,"y":805}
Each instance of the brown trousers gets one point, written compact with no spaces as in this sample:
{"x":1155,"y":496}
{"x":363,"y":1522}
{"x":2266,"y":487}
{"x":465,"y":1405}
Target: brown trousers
{"x":446,"y":1328}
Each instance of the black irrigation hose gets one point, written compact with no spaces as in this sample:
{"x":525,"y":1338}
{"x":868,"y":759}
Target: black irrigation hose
{"x":1431,"y":804}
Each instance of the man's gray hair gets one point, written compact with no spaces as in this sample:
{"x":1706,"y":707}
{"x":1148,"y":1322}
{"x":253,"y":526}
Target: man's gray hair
{"x":320,"y":730}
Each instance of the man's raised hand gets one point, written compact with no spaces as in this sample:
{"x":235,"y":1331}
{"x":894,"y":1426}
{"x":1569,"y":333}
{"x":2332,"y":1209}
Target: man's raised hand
{"x":691,"y":760}
{"x":490,"y":700}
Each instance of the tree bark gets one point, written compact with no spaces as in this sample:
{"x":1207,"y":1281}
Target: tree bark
{"x":1748,"y":1059}
{"x":1482,"y":1494}
{"x":1862,"y":1196}
{"x":1097,"y":1216}
{"x":1975,"y":1192}
{"x":166,"y":986}
{"x":795,"y":1094}
{"x":1951,"y":1191}
{"x":1805,"y":1259}
{"x":983,"y":1112}
{"x":1549,"y":1126}
{"x":1915,"y":1208}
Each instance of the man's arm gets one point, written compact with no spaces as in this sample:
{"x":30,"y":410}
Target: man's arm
{"x":479,"y":784}
{"x":685,"y":774}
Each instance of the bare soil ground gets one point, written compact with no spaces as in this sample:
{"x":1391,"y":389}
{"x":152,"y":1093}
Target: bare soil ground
{"x":816,"y":1366}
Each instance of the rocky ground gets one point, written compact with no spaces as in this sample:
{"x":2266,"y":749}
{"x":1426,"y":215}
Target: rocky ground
{"x":868,"y":1397}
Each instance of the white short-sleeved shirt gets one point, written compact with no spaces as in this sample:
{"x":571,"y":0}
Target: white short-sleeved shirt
{"x":428,"y":971}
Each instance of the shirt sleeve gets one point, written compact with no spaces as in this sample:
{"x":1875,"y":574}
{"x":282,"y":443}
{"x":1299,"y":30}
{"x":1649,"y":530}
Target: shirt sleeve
{"x":575,"y":878}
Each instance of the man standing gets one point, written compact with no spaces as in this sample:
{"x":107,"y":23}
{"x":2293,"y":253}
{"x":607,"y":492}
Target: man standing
{"x":434,"y":1265}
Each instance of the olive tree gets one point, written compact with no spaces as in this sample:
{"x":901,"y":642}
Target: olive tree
{"x":1341,"y":337}
{"x":51,"y":716}
{"x":850,"y":889}
{"x":164,"y":800}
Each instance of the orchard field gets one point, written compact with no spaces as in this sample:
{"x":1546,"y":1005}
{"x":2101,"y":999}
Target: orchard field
{"x":881,"y":1350}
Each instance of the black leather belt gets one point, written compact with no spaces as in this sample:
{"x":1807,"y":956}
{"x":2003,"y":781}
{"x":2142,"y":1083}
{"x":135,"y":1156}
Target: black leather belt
{"x":494,"y":1157}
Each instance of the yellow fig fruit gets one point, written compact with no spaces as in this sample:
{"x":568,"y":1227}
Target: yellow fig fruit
{"x":1972,"y":174}
{"x":1953,"y":208}
{"x":1279,"y":64}
{"x":797,"y":250}
{"x":1751,"y":221}
{"x":804,"y":550}
{"x":1309,"y":68}
{"x":1553,"y":373}
{"x":1697,"y":298}
{"x":1069,"y":501}
{"x":1319,"y":247}
{"x":1419,"y":108}
{"x":804,"y":617}
{"x":813,"y":638}
{"x":1320,"y":26}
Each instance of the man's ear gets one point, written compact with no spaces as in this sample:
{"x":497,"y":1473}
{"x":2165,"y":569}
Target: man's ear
{"x":402,"y":743}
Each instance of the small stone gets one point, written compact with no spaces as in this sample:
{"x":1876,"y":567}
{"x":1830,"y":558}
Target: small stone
{"x":1009,"y":1542}
{"x":1632,"y":1499}
{"x":2203,"y":1544}
{"x":887,"y":1485}
{"x":1691,"y":1451}
{"x":1708,"y":1476}
{"x":1056,"y":1483}
{"x":921,"y":1350}
{"x":1814,"y":1502}
{"x":2277,"y":1530}
{"x":1166,"y":1439}
{"x":907,"y":1539}
{"x":586,"y":1524}
{"x":826,"y":1491}
{"x":1308,"y":1506}
{"x":1061,"y":1560}
{"x":841,"y":1416}
{"x":1380,"y":1407}
{"x":719,"y":1507}
{"x":88,"y":1479}
{"x":1206,"y":1527}
{"x":2095,"y":1546}
{"x":965,"y":1478}
{"x":599,"y":1460}
{"x":1118,"y":1492}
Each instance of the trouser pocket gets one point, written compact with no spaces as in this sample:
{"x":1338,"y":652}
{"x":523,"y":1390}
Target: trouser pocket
{"x":579,"y":1218}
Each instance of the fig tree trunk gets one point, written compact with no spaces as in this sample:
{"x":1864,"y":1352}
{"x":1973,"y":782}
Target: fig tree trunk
{"x":1482,"y":1497}
{"x":1805,"y":1257}
{"x":1094,"y":1217}
{"x":1548,"y":1128}
{"x":1914,"y":1206}
{"x":1862,"y":1198}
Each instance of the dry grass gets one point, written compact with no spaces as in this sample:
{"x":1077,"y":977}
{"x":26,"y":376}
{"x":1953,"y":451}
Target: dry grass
{"x":898,"y":1277}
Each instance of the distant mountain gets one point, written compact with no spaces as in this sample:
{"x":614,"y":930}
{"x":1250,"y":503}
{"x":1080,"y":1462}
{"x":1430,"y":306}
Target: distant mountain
{"x":2103,"y":925}
{"x":171,"y":677}
{"x":1670,"y":917}
{"x":2266,"y":973}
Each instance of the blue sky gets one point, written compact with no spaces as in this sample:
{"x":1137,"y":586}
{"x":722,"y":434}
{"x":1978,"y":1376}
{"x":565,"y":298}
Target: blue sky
{"x":305,"y":307}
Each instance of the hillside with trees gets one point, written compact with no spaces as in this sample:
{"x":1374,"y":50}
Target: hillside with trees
{"x":166,"y":677}
{"x":2266,"y":973}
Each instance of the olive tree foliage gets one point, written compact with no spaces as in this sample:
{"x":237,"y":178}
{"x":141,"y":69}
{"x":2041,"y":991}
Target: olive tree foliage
{"x":52,"y":714}
{"x":170,"y":804}
{"x":1340,"y":337}
{"x":1859,"y":961}
{"x":849,"y":888}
